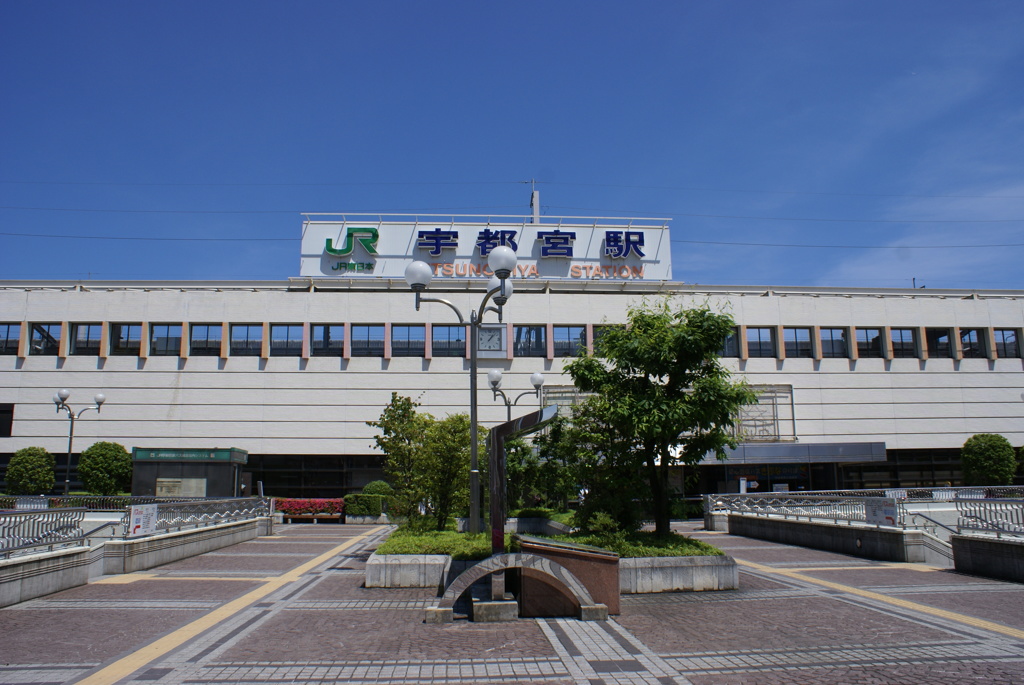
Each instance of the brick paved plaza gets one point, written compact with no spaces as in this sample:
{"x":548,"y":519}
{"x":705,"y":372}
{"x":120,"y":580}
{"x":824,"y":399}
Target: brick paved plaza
{"x":291,"y":609}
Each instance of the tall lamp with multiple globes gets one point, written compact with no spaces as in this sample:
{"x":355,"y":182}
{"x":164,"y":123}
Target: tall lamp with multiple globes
{"x":494,"y":378}
{"x":61,"y":400}
{"x":502,"y":261}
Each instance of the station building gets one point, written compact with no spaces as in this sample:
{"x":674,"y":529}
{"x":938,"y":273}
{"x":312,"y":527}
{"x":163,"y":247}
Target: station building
{"x":858,"y":387}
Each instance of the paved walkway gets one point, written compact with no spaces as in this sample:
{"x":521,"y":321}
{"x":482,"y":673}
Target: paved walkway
{"x":290,"y":609}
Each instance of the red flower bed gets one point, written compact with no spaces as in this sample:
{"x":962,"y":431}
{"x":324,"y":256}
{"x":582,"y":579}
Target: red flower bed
{"x":298,"y":507}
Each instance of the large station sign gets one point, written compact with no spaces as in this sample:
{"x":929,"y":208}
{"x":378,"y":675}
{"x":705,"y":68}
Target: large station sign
{"x":364,"y":246}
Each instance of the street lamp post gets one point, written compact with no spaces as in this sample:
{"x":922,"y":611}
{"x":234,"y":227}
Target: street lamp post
{"x":502,"y":261}
{"x":494,"y":378}
{"x":61,"y":400}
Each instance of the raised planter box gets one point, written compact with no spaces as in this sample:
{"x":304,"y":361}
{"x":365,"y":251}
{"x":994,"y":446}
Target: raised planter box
{"x":641,"y":575}
{"x":636,"y":576}
{"x":412,"y":570}
{"x":312,"y":518}
{"x":367,"y":520}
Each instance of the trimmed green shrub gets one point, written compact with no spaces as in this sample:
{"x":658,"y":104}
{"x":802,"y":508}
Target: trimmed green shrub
{"x":31,"y":472}
{"x":106,"y":468}
{"x":364,"y":505}
{"x":378,"y":487}
{"x":988,"y":459}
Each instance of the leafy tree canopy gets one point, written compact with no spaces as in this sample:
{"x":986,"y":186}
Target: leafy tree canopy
{"x":664,"y":393}
{"x":31,"y":472}
{"x":426,"y":461}
{"x":988,"y":459}
{"x":106,"y":468}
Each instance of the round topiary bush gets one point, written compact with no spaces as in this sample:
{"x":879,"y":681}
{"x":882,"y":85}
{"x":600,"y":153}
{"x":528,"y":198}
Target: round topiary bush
{"x":378,"y":487}
{"x":31,"y":472}
{"x":988,"y":459}
{"x":106,"y":469}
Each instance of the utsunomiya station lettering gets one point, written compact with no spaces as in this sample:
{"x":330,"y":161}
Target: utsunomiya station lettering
{"x":373,"y":246}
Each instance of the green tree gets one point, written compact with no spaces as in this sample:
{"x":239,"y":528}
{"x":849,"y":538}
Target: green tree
{"x":557,"y":449}
{"x":444,"y":467}
{"x":988,"y":459}
{"x":587,"y":457}
{"x":402,"y":429}
{"x":667,"y":397}
{"x":31,"y":472}
{"x":522,"y":468}
{"x":106,"y":468}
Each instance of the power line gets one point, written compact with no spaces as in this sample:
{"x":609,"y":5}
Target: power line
{"x":846,"y":247}
{"x":244,"y":211}
{"x":806,"y":219}
{"x":150,"y":238}
{"x":341,"y":184}
{"x":689,"y":242}
{"x":493,"y":207}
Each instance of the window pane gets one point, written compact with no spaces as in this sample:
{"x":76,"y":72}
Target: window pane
{"x":1007,"y":345}
{"x":408,"y":341}
{"x":903,"y":342}
{"x":246,"y":340}
{"x":869,"y":342}
{"x":285,"y":340}
{"x":10,"y":334}
{"x":798,"y":342}
{"x":530,"y":341}
{"x":328,"y":340}
{"x":205,"y":340}
{"x":165,"y":340}
{"x":367,"y":340}
{"x":970,"y":343}
{"x":569,"y":340}
{"x":833,"y":342}
{"x":731,"y":346}
{"x":85,"y":338}
{"x":125,"y":338}
{"x":448,"y":341}
{"x":938,"y":343}
{"x":6,"y":420}
{"x":760,"y":342}
{"x":45,"y":339}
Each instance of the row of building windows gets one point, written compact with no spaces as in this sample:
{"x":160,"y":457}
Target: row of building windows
{"x":410,"y":340}
{"x":930,"y":343}
{"x":285,"y":340}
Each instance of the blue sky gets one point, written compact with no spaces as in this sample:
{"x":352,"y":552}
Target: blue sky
{"x":877,"y":126}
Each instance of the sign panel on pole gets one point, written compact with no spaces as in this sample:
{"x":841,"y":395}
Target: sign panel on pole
{"x":142,"y":520}
{"x":881,"y":511}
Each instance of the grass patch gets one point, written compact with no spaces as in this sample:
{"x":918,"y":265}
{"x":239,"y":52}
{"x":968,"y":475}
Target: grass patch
{"x":460,"y":546}
{"x":645,"y":544}
{"x":466,"y":547}
{"x":542,"y":513}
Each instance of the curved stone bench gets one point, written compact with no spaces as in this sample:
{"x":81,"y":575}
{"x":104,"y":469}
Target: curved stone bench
{"x":588,"y":609}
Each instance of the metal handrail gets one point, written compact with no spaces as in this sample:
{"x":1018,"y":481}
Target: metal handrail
{"x":1001,"y":517}
{"x":194,"y":514}
{"x":23,"y":530}
{"x":987,"y":510}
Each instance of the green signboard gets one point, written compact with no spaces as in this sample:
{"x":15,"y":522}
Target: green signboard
{"x":230,"y":454}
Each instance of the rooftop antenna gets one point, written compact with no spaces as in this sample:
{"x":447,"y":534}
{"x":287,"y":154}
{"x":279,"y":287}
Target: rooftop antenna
{"x":535,"y":200}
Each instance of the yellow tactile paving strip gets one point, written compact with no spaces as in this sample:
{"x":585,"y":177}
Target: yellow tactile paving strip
{"x":879,"y":597}
{"x":124,"y":667}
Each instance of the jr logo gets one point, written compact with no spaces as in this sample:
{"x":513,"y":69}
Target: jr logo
{"x":368,"y":241}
